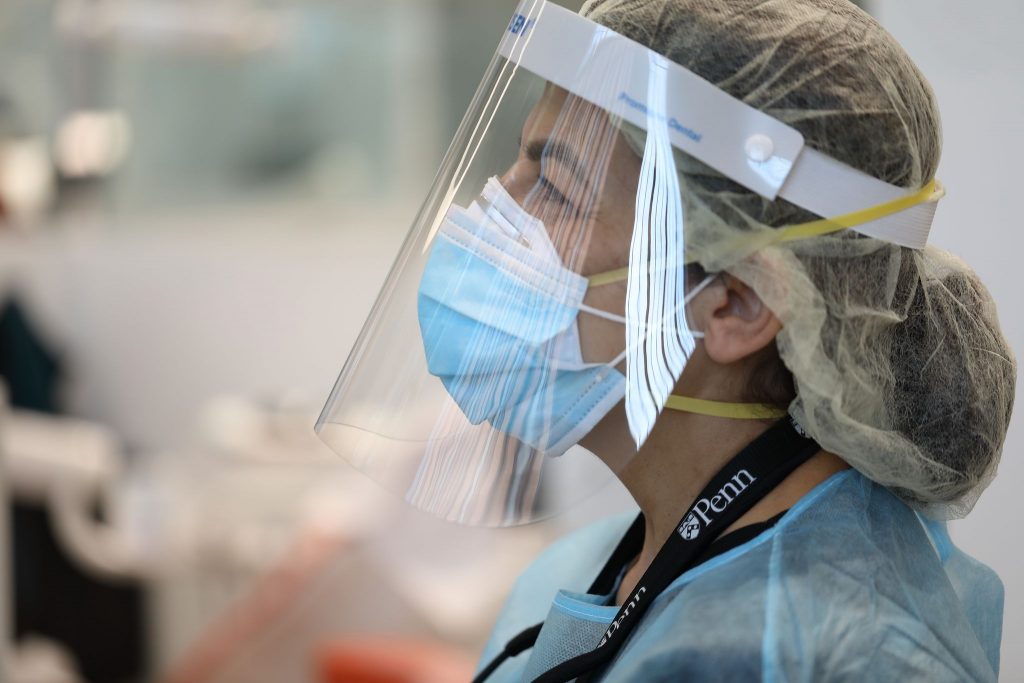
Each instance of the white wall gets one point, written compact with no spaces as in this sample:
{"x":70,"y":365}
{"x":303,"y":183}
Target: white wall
{"x":974,"y":57}
{"x":159,"y":314}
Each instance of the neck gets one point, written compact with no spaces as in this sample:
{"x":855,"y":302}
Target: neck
{"x":681,"y":456}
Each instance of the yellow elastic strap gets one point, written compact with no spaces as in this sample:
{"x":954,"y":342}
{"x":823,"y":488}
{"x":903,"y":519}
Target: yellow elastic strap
{"x":609,"y":277}
{"x":932,"y":192}
{"x":734,"y":411}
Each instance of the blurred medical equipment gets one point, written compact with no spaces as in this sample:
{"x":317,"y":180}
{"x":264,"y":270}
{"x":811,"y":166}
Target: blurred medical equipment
{"x":279,"y":103}
{"x":62,"y":465}
{"x":27,"y":179}
{"x":6,"y":578}
{"x":164,"y":104}
{"x":34,"y":659}
{"x":216,"y":27}
{"x":254,"y":546}
{"x":69,"y":465}
{"x":37,"y":660}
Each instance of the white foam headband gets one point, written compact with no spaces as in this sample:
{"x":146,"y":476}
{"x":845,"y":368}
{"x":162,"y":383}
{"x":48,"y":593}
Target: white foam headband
{"x":754,"y":149}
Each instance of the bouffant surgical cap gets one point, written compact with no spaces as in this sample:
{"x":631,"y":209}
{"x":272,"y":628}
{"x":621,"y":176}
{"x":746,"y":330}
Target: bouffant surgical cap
{"x":898,"y":360}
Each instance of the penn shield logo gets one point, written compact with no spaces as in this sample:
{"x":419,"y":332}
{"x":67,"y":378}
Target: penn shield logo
{"x":690,"y":528}
{"x":705,"y":508}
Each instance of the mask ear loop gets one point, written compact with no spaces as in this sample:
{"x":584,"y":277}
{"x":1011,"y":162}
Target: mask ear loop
{"x":682,"y":306}
{"x":620,"y":275}
{"x":598,"y":313}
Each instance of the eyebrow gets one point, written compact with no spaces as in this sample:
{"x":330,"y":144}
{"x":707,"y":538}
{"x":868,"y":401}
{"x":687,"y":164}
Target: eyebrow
{"x":538,"y":150}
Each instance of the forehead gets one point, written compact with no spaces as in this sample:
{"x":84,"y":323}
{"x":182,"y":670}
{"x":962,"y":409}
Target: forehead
{"x":592,"y":134}
{"x":559,"y":112}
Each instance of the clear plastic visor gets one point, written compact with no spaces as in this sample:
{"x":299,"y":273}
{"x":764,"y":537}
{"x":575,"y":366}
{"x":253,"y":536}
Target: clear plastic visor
{"x":493,"y":367}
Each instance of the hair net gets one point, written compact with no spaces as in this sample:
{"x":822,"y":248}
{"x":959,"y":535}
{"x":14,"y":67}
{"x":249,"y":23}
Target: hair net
{"x":897,"y":356}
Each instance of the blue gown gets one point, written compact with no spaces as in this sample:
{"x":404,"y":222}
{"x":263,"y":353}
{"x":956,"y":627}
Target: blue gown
{"x":849,"y":585}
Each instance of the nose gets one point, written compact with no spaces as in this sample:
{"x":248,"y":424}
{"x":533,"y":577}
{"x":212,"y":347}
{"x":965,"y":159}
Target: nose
{"x":517,"y":183}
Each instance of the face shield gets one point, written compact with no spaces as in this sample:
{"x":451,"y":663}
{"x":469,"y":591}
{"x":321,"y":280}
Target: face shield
{"x":537,"y":314}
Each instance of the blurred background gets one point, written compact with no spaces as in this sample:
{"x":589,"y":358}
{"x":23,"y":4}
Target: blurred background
{"x":199,"y":200}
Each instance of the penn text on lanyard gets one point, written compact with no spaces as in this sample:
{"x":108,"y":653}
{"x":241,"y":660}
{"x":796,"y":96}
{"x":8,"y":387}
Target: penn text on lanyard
{"x":751,"y":475}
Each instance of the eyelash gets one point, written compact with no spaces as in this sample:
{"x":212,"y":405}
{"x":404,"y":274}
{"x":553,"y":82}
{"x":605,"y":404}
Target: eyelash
{"x":552,"y":193}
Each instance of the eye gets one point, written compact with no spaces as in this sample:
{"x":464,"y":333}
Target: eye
{"x":551,"y":193}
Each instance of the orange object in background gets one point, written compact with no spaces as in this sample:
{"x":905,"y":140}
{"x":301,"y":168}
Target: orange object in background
{"x":391,"y":660}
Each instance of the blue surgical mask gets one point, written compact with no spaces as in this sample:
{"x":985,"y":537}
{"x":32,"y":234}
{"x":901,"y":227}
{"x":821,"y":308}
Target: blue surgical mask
{"x":497,"y":312}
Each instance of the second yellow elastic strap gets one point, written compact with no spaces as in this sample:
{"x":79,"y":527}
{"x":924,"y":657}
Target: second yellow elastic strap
{"x":734,"y":411}
{"x":931,"y":192}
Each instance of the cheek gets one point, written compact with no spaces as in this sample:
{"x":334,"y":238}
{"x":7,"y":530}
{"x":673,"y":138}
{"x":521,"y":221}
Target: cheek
{"x":608,"y":246}
{"x":601,"y":340}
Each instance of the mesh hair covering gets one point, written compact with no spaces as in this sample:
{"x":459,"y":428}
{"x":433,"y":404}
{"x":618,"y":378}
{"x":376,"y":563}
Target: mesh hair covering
{"x":898,"y":359}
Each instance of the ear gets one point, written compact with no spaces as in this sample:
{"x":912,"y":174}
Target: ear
{"x":738,"y":324}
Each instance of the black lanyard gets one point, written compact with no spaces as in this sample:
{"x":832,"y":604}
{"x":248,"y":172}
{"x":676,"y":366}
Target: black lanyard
{"x":730,"y":494}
